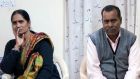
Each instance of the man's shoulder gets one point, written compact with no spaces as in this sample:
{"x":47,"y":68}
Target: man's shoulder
{"x":96,"y":33}
{"x":129,"y":36}
{"x":129,"y":33}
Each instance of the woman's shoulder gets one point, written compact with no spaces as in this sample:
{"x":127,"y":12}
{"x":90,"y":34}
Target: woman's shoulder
{"x":44,"y":43}
{"x":11,"y":42}
{"x":40,"y":40}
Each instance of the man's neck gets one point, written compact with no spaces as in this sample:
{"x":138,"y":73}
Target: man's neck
{"x":113,"y":37}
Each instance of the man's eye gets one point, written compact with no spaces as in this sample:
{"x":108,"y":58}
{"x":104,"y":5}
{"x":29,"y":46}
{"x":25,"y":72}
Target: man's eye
{"x":14,"y":22}
{"x":114,"y":20}
{"x":106,"y":21}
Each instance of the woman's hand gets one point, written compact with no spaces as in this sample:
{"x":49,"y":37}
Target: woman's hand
{"x":19,"y":40}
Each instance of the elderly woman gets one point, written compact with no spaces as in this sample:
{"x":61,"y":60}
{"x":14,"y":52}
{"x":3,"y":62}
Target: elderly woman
{"x":30,"y":54}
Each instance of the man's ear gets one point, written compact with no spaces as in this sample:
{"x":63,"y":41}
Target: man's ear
{"x":121,"y":19}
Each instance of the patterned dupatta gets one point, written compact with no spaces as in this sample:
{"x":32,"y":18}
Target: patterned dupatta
{"x":35,"y":60}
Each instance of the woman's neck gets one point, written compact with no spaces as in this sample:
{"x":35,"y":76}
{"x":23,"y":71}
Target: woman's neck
{"x":27,"y":36}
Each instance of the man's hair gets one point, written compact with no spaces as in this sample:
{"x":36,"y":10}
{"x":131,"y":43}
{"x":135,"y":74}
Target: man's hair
{"x":109,"y":8}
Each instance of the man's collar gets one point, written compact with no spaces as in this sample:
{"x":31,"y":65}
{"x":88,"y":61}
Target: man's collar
{"x":117,"y":37}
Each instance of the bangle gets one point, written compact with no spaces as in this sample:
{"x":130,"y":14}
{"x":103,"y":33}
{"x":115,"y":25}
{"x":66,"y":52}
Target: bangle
{"x":15,"y":49}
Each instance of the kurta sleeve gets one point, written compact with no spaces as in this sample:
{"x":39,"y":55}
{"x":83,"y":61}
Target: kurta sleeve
{"x":93,"y":63}
{"x":134,"y":62}
{"x":10,"y":58}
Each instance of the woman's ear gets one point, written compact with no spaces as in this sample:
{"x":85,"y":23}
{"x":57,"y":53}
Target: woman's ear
{"x":29,"y":24}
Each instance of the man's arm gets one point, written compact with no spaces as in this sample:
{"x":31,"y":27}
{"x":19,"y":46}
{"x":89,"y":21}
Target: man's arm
{"x":134,"y":62}
{"x":93,"y":68}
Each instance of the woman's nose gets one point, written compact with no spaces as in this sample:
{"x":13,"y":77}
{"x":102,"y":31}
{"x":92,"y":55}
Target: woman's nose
{"x":18,"y":25}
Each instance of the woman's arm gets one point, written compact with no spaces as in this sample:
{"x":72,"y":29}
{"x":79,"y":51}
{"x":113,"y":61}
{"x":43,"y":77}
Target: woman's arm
{"x":46,"y":50}
{"x":10,"y":58}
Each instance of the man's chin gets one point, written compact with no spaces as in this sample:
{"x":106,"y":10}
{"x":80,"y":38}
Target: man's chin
{"x":111,"y":34}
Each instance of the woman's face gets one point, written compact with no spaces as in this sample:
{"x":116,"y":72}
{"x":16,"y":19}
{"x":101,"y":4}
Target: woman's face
{"x":19,"y":24}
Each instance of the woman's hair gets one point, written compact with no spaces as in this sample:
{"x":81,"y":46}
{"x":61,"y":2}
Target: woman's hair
{"x":23,"y":13}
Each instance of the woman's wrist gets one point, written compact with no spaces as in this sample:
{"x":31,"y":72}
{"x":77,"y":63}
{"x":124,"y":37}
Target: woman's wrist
{"x":16,"y":48}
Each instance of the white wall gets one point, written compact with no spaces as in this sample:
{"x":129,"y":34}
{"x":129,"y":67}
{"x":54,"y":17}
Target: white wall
{"x":46,"y":16}
{"x":137,"y":28}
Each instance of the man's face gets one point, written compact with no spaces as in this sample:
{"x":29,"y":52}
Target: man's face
{"x":111,"y":22}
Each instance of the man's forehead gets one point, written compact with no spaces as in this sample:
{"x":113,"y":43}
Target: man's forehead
{"x":108,"y":14}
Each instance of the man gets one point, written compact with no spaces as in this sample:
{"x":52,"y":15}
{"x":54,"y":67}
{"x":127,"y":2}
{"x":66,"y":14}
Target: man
{"x":112,"y":52}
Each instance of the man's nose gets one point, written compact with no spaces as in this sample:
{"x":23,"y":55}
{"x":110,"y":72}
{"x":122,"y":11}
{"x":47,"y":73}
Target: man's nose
{"x":110,"y":24}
